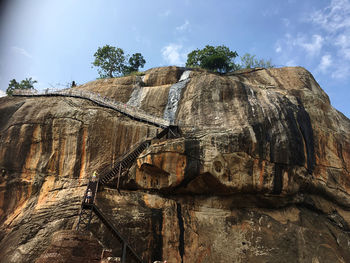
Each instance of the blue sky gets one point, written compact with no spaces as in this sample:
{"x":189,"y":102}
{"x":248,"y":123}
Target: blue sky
{"x":54,"y":41}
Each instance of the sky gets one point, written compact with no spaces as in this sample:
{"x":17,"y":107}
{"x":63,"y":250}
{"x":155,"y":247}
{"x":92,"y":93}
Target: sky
{"x":54,"y":41}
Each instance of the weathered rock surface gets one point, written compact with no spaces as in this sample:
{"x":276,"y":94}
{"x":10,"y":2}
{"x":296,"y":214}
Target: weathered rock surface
{"x":260,"y":173}
{"x":72,"y":246}
{"x":48,"y":147}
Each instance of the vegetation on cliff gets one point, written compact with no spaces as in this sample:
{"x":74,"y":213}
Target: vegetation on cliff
{"x":27,"y":83}
{"x":111,"y":62}
{"x":221,"y":59}
{"x":218,"y":59}
{"x":250,"y":61}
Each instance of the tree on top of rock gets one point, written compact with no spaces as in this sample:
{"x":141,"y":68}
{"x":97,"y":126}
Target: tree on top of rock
{"x":111,"y":62}
{"x":218,"y":59}
{"x":25,"y":84}
{"x":136,"y":61}
{"x":250,"y":61}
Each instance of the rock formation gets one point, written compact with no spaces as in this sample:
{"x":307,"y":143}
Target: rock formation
{"x":260,"y":172}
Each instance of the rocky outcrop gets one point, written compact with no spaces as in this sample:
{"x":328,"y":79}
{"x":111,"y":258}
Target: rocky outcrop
{"x":72,"y":246}
{"x":260,"y":172}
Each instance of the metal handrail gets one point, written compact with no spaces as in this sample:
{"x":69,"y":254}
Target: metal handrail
{"x":128,"y":110}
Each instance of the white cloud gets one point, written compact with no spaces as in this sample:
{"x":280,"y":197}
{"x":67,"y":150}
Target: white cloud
{"x":2,"y":93}
{"x":271,"y":11}
{"x":335,"y":21}
{"x":324,"y":39}
{"x":334,"y":17}
{"x":343,"y":43}
{"x":286,"y":22}
{"x":173,"y":54}
{"x":346,"y":53}
{"x":166,"y":13}
{"x":184,"y":26}
{"x":278,"y":48}
{"x":140,"y":37}
{"x":312,"y":48}
{"x":326,"y":62}
{"x":341,"y":72}
{"x":21,"y":51}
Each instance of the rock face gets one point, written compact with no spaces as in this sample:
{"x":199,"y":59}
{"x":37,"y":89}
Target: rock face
{"x":260,"y":172}
{"x":72,"y":246}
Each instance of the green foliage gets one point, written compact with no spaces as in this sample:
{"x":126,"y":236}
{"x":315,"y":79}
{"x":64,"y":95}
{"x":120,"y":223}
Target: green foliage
{"x":12,"y":86}
{"x":27,"y":83}
{"x":111,"y":62}
{"x":250,"y":61}
{"x":218,"y":59}
{"x":136,"y":61}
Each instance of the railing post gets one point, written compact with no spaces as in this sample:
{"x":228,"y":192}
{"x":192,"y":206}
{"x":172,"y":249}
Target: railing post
{"x":120,"y":169}
{"x":124,"y":253}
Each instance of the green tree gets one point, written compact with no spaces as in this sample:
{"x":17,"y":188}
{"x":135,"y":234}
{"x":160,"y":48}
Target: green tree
{"x":27,"y":83}
{"x":110,"y":61}
{"x":12,"y":86}
{"x":219,"y":58}
{"x":250,"y":61}
{"x":136,"y":61}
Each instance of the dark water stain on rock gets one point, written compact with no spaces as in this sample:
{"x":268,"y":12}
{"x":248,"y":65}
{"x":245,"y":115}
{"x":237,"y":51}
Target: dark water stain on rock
{"x":182,"y":231}
{"x":278,"y":178}
{"x":307,"y":132}
{"x":157,"y":226}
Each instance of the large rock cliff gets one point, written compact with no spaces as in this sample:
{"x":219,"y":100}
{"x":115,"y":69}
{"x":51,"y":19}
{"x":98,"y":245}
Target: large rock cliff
{"x":260,"y":172}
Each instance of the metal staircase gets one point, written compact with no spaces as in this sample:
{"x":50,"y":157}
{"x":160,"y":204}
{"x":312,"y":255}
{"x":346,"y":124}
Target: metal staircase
{"x":126,"y":160}
{"x":85,"y":215}
{"x":88,"y":206}
{"x":123,"y":163}
{"x":127,"y":249}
